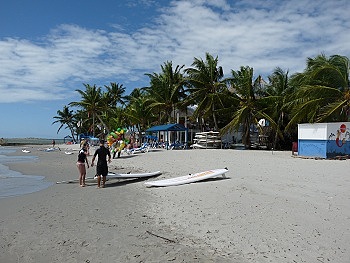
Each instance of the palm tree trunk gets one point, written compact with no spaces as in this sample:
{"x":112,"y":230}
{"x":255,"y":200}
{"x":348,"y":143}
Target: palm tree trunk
{"x":216,"y":127}
{"x":93,"y":124}
{"x":140,"y":135}
{"x":72,"y":133}
{"x":280,"y":120}
{"x":277,"y":131}
{"x":247,"y":135}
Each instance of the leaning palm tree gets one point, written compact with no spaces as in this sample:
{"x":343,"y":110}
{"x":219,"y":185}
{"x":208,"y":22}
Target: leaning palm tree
{"x":250,"y":108}
{"x":65,"y":118}
{"x":166,"y":91}
{"x":323,"y":90}
{"x":205,"y":86}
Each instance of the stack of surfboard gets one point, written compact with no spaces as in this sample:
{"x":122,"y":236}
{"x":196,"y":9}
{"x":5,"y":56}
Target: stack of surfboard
{"x":207,"y":140}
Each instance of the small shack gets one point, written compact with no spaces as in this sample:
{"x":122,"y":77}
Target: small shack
{"x":324,"y":140}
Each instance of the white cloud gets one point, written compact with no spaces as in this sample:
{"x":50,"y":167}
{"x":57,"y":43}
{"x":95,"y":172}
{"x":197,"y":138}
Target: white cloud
{"x":261,"y":34}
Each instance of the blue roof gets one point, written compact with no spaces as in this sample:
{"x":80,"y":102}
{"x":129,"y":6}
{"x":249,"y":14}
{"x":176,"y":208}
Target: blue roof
{"x":167,"y":127}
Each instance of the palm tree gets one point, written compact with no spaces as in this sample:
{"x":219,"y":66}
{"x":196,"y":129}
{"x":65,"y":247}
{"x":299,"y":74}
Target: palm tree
{"x":323,"y":90}
{"x":277,"y":96}
{"x":166,"y":91}
{"x":65,"y":117}
{"x":115,"y":93}
{"x":94,"y":102}
{"x":250,"y":108}
{"x":205,"y":86}
{"x":139,"y":112}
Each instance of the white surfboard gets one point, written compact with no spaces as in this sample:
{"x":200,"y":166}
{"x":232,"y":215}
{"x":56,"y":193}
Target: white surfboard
{"x":191,"y":178}
{"x":130,"y":175}
{"x":116,"y":176}
{"x":207,"y":141}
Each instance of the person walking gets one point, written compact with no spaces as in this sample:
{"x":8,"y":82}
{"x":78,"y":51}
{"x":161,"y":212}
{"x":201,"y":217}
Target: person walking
{"x":102,"y":166}
{"x":82,"y":159}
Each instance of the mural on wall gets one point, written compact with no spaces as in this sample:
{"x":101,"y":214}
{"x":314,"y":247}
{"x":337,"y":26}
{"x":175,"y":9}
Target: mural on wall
{"x":338,"y":139}
{"x":341,"y":135}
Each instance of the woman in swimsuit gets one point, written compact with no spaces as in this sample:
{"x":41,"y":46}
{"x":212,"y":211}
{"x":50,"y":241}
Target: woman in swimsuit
{"x":82,"y":159}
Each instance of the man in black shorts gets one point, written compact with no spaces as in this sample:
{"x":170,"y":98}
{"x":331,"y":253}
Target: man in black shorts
{"x":101,"y":167}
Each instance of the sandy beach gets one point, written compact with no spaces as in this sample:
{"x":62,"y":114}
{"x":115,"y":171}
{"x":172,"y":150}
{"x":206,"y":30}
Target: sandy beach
{"x":272,"y":207}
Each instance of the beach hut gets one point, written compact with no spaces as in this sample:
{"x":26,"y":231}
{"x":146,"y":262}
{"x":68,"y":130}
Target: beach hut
{"x":324,"y":140}
{"x":167,"y":128}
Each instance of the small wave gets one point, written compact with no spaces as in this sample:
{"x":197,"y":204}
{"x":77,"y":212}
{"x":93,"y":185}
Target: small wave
{"x":14,"y":183}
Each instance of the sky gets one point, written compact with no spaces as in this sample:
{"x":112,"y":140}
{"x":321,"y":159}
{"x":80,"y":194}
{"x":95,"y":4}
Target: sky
{"x":49,"y":49}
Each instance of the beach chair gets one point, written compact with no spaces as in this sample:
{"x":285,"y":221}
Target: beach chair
{"x":177,"y":145}
{"x":143,"y":149}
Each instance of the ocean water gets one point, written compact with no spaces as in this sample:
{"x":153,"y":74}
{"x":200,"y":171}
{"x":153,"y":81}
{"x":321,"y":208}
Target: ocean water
{"x":37,"y":141}
{"x":13,"y":183}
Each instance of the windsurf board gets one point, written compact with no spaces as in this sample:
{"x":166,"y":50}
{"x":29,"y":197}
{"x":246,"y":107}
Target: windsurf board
{"x":191,"y":178}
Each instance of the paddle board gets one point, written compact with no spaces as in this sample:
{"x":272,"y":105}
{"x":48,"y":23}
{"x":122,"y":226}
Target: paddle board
{"x":191,"y":178}
{"x":116,"y":176}
{"x":130,"y":175}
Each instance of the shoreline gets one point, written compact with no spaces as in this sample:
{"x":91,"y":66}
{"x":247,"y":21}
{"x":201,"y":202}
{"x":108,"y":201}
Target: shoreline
{"x":32,"y":141}
{"x":271,"y":208}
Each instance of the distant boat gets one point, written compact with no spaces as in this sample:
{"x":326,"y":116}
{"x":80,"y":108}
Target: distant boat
{"x":25,"y":151}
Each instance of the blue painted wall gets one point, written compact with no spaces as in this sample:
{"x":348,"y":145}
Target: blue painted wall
{"x":312,"y":148}
{"x":322,"y":148}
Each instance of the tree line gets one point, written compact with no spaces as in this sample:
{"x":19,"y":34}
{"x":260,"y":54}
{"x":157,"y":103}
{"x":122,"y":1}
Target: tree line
{"x":321,"y":93}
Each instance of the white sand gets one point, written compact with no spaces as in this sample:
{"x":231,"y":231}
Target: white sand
{"x":272,"y":208}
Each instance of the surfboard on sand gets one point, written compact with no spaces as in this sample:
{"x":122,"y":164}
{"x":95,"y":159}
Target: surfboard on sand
{"x":191,"y":178}
{"x":130,"y":175}
{"x":116,"y":176}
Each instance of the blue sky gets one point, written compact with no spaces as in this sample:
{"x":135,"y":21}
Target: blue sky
{"x":48,"y":49}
